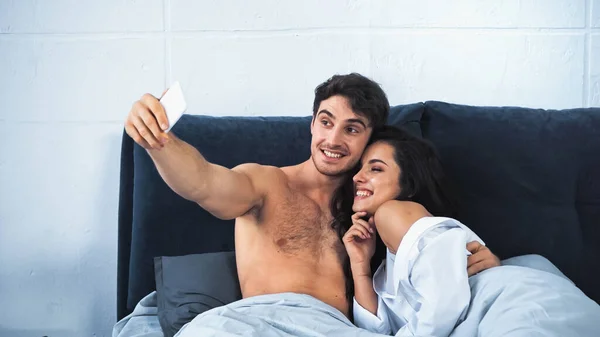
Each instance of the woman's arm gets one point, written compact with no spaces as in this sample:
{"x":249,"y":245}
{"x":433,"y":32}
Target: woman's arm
{"x":439,"y":277}
{"x":394,"y":218}
{"x":368,"y":313}
{"x":363,"y":288}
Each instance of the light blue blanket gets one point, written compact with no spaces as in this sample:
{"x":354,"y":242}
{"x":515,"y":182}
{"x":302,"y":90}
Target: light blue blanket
{"x":142,"y":322}
{"x":511,"y":300}
{"x":520,"y":301}
{"x":285,"y":314}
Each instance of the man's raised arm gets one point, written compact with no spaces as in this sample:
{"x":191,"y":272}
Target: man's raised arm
{"x":224,"y":193}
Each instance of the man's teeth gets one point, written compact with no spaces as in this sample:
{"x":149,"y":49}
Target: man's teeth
{"x":332,"y":155}
{"x":363,"y":193}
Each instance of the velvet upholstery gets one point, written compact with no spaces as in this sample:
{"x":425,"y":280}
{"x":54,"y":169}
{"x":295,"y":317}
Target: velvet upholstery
{"x":528,"y":181}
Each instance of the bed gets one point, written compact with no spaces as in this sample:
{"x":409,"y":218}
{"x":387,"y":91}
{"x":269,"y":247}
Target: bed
{"x":528,"y":181}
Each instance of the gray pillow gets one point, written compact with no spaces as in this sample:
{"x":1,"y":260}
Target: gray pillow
{"x":192,"y":284}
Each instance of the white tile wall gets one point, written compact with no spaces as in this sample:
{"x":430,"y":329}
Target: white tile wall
{"x":479,"y":14}
{"x":263,"y":75}
{"x":594,"y":94}
{"x":595,"y":7}
{"x":505,"y":68}
{"x":77,"y":79}
{"x":69,"y":16}
{"x":267,"y":15}
{"x":70,"y":70}
{"x":58,"y":206}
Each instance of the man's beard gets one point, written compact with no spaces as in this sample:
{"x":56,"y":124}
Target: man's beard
{"x":333,"y":172}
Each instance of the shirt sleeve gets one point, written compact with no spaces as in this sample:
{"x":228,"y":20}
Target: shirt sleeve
{"x":364,"y":319}
{"x":440,"y":280}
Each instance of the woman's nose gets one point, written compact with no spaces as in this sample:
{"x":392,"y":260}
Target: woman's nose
{"x":358,"y":177}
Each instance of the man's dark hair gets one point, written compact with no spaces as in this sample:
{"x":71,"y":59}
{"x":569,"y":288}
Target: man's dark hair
{"x":364,"y":95}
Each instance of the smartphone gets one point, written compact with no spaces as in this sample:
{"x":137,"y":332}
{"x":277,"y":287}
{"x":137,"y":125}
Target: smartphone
{"x":174,"y":104}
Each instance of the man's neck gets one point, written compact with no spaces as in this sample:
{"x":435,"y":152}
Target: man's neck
{"x":314,"y":183}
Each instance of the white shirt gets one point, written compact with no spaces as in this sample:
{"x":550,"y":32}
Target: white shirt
{"x":424,"y":289}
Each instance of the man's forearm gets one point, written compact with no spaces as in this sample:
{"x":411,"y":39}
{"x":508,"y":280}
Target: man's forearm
{"x":225,"y":193}
{"x":182,"y":167}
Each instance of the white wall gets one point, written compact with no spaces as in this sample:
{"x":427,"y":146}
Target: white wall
{"x":69,"y":71}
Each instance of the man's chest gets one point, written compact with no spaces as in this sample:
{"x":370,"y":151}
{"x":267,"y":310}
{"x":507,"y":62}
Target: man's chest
{"x":297,"y":223}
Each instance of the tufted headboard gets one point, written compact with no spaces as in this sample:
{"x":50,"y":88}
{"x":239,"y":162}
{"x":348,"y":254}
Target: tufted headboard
{"x":528,"y":181}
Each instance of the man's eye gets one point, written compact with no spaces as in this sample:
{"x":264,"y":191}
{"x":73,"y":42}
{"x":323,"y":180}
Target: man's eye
{"x":352,"y":130}
{"x":324,"y":122}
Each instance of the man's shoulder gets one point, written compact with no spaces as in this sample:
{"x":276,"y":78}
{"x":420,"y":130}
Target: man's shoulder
{"x":255,"y":168}
{"x":259,"y":173}
{"x":266,"y":180}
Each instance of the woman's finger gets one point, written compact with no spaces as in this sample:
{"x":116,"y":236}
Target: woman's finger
{"x":364,"y":234}
{"x":363,"y":223}
{"x":351,"y":234}
{"x":361,"y":231}
{"x":357,"y":215}
{"x":349,"y":237}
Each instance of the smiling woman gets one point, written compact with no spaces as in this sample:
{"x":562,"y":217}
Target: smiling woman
{"x":399,"y":166}
{"x":400,"y":178}
{"x":378,"y":180}
{"x":395,"y":166}
{"x":436,"y":277}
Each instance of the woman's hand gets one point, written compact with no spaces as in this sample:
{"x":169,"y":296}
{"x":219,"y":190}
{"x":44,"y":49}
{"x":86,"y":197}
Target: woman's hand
{"x":481,"y":259}
{"x":359,"y":241}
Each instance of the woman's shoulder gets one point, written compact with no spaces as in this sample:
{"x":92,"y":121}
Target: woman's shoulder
{"x":394,"y":208}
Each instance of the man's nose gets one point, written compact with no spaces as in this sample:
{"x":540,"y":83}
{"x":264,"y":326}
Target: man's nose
{"x":335,"y":137}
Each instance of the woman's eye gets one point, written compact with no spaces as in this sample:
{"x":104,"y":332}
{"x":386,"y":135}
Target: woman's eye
{"x":376,"y":169}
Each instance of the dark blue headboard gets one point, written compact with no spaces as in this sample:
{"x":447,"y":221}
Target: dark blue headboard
{"x":528,"y":181}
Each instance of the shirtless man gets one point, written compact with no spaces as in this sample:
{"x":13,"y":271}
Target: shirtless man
{"x":283,"y":235}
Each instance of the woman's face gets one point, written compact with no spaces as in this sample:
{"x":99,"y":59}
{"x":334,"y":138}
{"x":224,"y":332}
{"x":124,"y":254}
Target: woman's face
{"x":378,"y":178}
